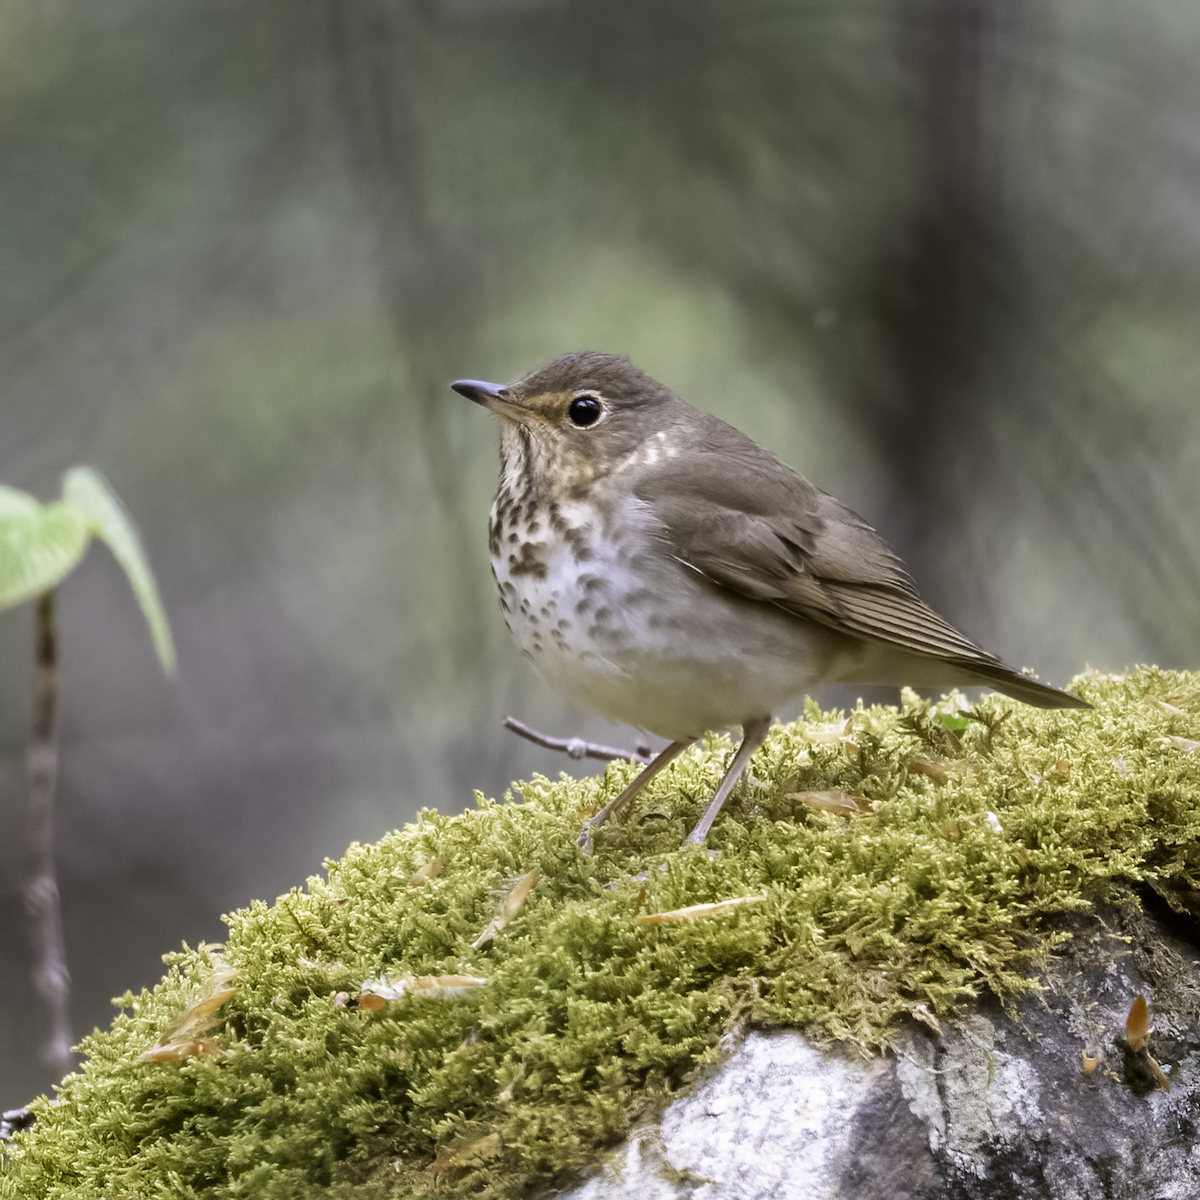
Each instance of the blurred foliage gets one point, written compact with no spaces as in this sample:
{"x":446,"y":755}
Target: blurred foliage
{"x":941,"y":255}
{"x":40,"y":544}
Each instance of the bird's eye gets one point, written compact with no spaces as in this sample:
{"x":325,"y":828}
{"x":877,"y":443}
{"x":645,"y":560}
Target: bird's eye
{"x":585,"y":410}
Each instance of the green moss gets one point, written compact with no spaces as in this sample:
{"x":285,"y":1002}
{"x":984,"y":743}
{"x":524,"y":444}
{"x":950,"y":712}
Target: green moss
{"x":978,"y":832}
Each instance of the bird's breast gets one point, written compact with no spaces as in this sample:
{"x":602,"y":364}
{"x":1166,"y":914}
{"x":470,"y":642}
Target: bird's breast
{"x":595,"y":599}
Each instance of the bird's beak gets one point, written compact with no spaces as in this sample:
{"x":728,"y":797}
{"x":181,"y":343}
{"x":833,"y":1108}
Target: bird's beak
{"x":487,"y":394}
{"x":495,"y":397}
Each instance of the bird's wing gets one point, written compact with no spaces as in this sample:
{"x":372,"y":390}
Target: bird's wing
{"x":753,"y":526}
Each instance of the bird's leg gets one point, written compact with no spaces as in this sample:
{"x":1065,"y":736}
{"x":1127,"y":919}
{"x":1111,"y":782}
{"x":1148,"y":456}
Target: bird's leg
{"x":584,"y":840}
{"x":753,"y":734}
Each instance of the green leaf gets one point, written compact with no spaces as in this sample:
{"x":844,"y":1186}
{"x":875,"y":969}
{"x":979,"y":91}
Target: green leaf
{"x":955,"y":724}
{"x":39,"y":545}
{"x":87,"y":492}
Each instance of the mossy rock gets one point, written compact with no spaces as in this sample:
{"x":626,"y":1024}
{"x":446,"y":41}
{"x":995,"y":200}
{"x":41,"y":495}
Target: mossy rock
{"x":512,"y":1060}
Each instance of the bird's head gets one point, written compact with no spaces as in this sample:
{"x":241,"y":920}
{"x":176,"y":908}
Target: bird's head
{"x":580,"y":417}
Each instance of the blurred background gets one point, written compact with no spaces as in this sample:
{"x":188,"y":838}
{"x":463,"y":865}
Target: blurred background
{"x":943,"y":256}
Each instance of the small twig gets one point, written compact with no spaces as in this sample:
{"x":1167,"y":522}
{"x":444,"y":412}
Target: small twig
{"x":577,"y":748}
{"x":50,"y":974}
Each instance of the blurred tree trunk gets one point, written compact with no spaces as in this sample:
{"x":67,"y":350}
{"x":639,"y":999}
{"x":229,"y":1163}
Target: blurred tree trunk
{"x":384,"y":57}
{"x":948,"y":292}
{"x":380,"y":52}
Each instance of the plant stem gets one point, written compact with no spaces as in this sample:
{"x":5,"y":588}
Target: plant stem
{"x":50,"y":975}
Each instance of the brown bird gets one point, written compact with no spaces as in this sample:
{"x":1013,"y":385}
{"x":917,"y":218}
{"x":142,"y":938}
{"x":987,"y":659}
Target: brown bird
{"x":660,"y":568}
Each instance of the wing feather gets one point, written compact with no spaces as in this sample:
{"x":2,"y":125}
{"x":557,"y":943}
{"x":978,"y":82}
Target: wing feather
{"x":752,"y":525}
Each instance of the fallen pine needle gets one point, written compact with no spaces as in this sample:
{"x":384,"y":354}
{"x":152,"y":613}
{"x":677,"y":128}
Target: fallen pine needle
{"x":695,"y":911}
{"x":183,"y":1039}
{"x":510,"y":906}
{"x":840,"y":803}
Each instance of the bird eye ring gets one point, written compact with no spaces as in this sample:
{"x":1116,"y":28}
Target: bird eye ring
{"x":585,"y":410}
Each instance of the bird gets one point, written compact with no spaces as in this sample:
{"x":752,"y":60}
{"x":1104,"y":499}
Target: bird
{"x":660,"y":568}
